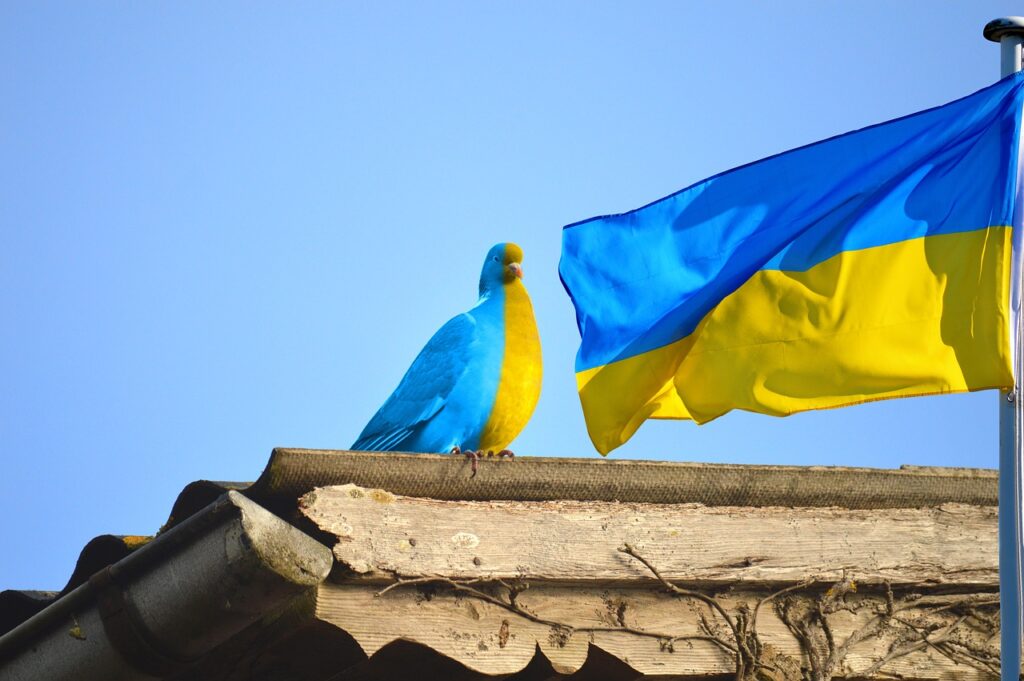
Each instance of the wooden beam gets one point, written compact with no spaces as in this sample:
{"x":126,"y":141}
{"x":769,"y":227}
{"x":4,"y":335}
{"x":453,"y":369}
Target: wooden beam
{"x":380,"y":535}
{"x":492,"y":640}
{"x":290,"y":473}
{"x":910,"y":592}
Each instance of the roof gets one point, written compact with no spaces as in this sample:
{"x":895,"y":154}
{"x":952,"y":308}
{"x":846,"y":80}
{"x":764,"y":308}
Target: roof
{"x":292,"y":473}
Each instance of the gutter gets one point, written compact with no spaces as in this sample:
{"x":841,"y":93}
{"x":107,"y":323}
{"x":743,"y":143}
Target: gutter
{"x":171,"y":602}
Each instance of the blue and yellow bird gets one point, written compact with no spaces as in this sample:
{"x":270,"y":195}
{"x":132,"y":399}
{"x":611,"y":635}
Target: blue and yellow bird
{"x":475,"y":384}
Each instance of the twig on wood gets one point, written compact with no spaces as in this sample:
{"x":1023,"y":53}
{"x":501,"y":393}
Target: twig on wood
{"x":963,"y":654}
{"x":704,"y":598}
{"x":422,"y":580}
{"x":924,"y":642}
{"x":806,"y":618}
{"x":958,"y":651}
{"x":463,"y":587}
{"x":747,"y":649}
{"x":781,"y":592}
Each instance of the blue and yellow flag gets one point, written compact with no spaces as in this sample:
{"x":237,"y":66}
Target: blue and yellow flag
{"x":869,"y":266}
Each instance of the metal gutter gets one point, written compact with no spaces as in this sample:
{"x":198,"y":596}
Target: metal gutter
{"x":170,"y":602}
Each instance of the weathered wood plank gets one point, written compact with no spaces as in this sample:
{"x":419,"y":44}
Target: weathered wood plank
{"x":293,"y":472}
{"x":492,"y":640}
{"x":382,"y":535}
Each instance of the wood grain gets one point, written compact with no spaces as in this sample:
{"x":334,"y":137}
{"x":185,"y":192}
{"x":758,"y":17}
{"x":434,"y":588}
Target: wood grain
{"x":492,"y":640}
{"x":381,"y":535}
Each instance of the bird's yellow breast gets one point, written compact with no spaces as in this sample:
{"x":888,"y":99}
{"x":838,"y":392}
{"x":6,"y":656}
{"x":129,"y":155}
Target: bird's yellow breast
{"x":519,"y":385}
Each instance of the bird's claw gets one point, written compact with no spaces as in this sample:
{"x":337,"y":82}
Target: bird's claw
{"x":476,"y":455}
{"x":472,"y":455}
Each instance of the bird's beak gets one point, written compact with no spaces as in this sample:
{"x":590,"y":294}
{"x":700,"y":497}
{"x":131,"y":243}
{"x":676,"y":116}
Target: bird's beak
{"x":517,"y":269}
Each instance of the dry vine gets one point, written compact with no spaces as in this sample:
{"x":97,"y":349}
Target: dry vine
{"x":810,"y":626}
{"x":563,"y":630}
{"x":805,"y":608}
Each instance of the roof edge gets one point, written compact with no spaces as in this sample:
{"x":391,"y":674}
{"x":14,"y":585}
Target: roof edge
{"x":290,"y":473}
{"x":150,"y":613}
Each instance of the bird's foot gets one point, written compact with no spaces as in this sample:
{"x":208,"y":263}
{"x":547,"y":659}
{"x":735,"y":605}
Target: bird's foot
{"x":475,"y":456}
{"x":472,"y":455}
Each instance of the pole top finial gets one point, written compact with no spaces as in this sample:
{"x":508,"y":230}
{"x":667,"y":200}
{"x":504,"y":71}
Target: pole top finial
{"x":997,"y":29}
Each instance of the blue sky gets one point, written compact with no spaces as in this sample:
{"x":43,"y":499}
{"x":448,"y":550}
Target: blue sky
{"x":228,"y":228}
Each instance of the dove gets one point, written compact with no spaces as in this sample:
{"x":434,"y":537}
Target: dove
{"x":475,"y":384}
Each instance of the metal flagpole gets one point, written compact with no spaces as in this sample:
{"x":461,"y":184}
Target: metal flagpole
{"x":1009,"y":33}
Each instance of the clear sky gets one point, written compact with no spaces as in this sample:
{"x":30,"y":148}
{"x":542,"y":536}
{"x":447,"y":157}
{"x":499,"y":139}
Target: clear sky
{"x":230,"y":226}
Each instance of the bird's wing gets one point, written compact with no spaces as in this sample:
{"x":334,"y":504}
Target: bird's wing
{"x":424,"y":390}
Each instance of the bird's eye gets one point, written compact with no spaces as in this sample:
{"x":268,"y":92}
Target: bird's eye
{"x":496,"y":259}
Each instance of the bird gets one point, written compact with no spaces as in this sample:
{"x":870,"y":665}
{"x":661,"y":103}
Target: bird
{"x":474,"y":385}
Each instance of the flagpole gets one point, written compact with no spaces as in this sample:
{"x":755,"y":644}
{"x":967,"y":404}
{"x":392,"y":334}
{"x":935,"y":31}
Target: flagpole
{"x":1009,"y":33}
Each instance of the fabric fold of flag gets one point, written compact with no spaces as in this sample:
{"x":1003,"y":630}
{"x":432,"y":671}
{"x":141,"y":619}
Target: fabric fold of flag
{"x":868,"y":266}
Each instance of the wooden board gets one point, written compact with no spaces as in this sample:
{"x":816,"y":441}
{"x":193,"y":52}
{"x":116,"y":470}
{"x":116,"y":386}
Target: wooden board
{"x":491,"y":640}
{"x":381,"y":535}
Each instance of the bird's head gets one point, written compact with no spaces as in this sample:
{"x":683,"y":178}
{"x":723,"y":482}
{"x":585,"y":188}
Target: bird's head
{"x":502,"y":266}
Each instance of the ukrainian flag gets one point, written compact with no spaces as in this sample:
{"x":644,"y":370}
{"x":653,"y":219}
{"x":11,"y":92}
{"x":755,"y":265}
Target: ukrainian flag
{"x":872,"y":265}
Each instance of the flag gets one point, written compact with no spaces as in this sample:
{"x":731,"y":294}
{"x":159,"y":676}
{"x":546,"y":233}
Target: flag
{"x":872,"y":265}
